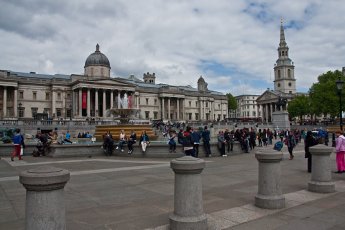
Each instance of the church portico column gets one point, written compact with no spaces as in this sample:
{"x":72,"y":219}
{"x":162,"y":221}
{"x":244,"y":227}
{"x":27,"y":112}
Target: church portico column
{"x":53,"y":104}
{"x":80,"y":113}
{"x":266,"y":112}
{"x":270,"y":112}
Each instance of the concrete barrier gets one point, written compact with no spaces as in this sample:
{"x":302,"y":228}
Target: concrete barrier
{"x":188,"y":206}
{"x":269,"y":194}
{"x":321,"y":175}
{"x":45,"y":204}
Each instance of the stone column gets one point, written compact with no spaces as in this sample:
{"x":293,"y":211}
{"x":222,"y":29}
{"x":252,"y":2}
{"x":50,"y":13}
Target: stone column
{"x":221,"y":111}
{"x":96,"y":103}
{"x":118,"y":100}
{"x":74,"y":103}
{"x":188,"y":206}
{"x":4,"y":103}
{"x":183,"y":109}
{"x":269,"y":194}
{"x":271,"y":112}
{"x":178,"y":108}
{"x":53,"y":104}
{"x":321,"y":177}
{"x":163,"y":110}
{"x":137,"y":97}
{"x":111,"y":99}
{"x":80,"y":102}
{"x":15,"y":103}
{"x":45,"y":205}
{"x":104,"y":103}
{"x":88,"y":102}
{"x":169,"y":118}
{"x":266,"y":112}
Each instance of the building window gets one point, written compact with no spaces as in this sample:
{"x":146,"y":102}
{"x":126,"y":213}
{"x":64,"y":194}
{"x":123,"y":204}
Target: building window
{"x":46,"y":110}
{"x":278,"y":73}
{"x":58,"y":112}
{"x":155,"y":115}
{"x":34,"y":111}
{"x":59,"y":96}
{"x":289,"y":73}
{"x":47,"y":96}
{"x":218,"y":106}
{"x":68,"y":96}
{"x":147,"y":101}
{"x":290,"y":92}
{"x":34,"y":95}
{"x":147,"y":114}
{"x":189,"y":116}
{"x":190,"y":104}
{"x":21,"y":94}
{"x":278,"y":85}
{"x":290,"y":84}
{"x":196,"y":105}
{"x":196,"y":116}
{"x":206,"y":104}
{"x":155,"y":103}
{"x":21,"y":111}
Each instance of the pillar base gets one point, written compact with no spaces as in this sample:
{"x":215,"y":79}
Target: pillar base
{"x":321,"y":187}
{"x":179,"y":222}
{"x":270,"y":202}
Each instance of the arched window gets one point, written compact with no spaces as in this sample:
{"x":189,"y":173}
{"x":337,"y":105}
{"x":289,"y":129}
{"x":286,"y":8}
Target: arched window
{"x":289,"y":73}
{"x":279,"y":73}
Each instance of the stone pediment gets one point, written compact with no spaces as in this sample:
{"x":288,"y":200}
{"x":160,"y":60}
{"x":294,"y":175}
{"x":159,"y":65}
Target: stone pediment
{"x":267,"y":96}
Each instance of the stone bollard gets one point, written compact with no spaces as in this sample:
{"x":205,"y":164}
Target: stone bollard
{"x":321,"y":175}
{"x":269,"y":194}
{"x":188,"y":206}
{"x":45,"y":204}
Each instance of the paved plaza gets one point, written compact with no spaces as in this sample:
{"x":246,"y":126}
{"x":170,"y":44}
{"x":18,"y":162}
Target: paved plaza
{"x":137,"y":193}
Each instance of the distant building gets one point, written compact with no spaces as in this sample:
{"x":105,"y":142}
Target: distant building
{"x":95,"y":93}
{"x":246,"y":108}
{"x":284,"y":82}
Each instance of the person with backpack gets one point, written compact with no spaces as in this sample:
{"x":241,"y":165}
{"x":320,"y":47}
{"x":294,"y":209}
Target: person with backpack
{"x":17,"y":142}
{"x":188,"y":145}
{"x":290,"y":141}
{"x":196,"y":136}
{"x":206,"y":139}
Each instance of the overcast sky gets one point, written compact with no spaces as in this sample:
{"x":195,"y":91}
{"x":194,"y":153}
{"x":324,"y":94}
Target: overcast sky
{"x":231,"y":43}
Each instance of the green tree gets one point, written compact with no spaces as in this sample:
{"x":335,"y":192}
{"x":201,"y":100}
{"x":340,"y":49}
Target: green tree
{"x":299,"y":107}
{"x":324,"y":95}
{"x":232,"y":103}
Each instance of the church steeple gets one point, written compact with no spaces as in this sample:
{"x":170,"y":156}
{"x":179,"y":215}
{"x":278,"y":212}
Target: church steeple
{"x":284,"y":69}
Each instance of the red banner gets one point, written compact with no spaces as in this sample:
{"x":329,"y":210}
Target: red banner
{"x":129,"y":102}
{"x":84,"y":100}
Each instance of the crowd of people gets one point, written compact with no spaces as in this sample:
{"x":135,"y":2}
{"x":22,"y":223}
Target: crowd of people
{"x":190,"y":139}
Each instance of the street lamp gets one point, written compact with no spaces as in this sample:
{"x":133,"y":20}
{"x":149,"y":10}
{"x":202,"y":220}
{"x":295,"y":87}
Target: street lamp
{"x":340,"y":84}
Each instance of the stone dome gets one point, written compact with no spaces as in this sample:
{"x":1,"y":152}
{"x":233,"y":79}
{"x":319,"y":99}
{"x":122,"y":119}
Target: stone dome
{"x":97,"y":59}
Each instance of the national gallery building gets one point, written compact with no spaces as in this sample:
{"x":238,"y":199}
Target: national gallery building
{"x":95,"y":95}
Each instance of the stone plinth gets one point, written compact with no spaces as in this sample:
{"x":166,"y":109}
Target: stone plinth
{"x":45,"y":205}
{"x":269,"y":194}
{"x":280,"y":119}
{"x":188,"y":205}
{"x":321,"y":175}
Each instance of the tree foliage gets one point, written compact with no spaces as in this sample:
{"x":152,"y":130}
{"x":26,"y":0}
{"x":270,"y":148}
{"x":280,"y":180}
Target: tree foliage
{"x":232,"y":104}
{"x":299,"y":107}
{"x":324,"y":95}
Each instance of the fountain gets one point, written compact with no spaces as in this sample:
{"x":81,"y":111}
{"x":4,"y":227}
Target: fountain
{"x":125,"y":114}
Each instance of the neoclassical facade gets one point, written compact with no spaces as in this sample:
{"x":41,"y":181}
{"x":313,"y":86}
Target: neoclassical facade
{"x":284,"y":82}
{"x":95,"y":93}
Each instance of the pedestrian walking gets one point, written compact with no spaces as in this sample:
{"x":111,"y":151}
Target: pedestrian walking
{"x":340,"y":151}
{"x":17,"y":142}
{"x":290,"y":141}
{"x":308,"y":142}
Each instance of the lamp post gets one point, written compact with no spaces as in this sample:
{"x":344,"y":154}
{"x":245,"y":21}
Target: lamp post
{"x":340,"y":84}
